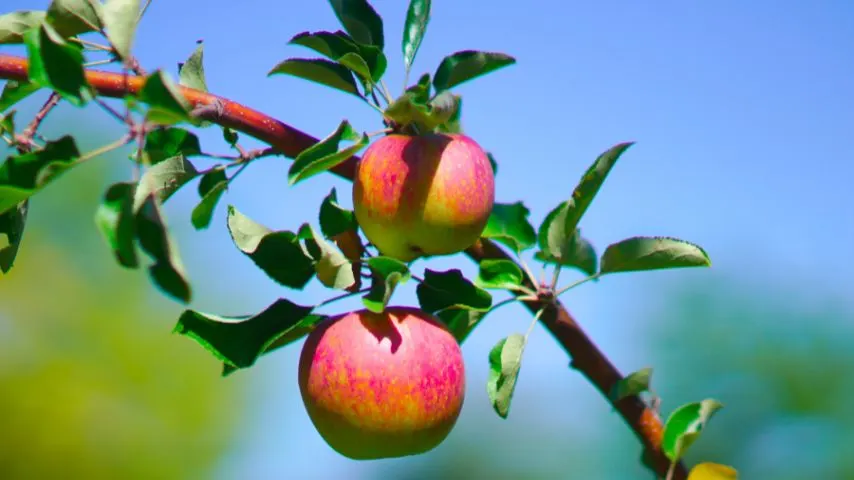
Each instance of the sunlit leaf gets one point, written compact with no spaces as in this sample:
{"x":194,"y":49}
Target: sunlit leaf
{"x":634,"y":383}
{"x":499,"y":274}
{"x":192,"y":72}
{"x":508,"y":224}
{"x":325,"y":155}
{"x":278,"y":254}
{"x":333,"y":268}
{"x":652,"y":253}
{"x":7,"y":123}
{"x":166,"y":103}
{"x":120,"y":19}
{"x":590,"y":184}
{"x":684,"y":426}
{"x":505,"y":360}
{"x":14,"y":92}
{"x":23,"y":175}
{"x":56,"y":64}
{"x":320,"y":71}
{"x":337,"y":45}
{"x":712,"y":471}
{"x":164,"y":179}
{"x":407,"y":110}
{"x":466,"y":65}
{"x":360,"y":20}
{"x":73,"y":17}
{"x":115,"y":220}
{"x":388,"y":273}
{"x":239,"y":341}
{"x":417,"y":17}
{"x":441,"y":290}
{"x":14,"y":24}
{"x":564,"y":247}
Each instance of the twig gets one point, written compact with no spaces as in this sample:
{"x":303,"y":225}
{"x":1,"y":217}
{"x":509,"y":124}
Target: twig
{"x":586,"y":356}
{"x":105,"y":149}
{"x":29,"y":132}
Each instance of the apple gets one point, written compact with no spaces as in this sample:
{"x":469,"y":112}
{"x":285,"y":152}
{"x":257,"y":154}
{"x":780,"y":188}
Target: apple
{"x":382,"y":385}
{"x":423,"y":195}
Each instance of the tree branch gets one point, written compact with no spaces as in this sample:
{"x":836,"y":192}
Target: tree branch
{"x":586,"y":356}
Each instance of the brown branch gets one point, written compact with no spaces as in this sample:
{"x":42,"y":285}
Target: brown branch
{"x":586,"y":356}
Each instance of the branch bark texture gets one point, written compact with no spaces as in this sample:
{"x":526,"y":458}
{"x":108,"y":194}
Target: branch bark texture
{"x":586,"y":357}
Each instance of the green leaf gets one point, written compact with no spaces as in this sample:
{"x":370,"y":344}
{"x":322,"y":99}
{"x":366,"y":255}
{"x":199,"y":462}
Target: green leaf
{"x":421,"y":90}
{"x":466,"y":65}
{"x":388,"y":273}
{"x":325,"y":155}
{"x":441,"y":290}
{"x":278,"y":254}
{"x":166,"y":103}
{"x":336,"y":45}
{"x":333,"y":268}
{"x":454,"y":125}
{"x":684,"y":426}
{"x":712,"y":471}
{"x":14,"y":92}
{"x":319,"y":71}
{"x":508,"y":224}
{"x":211,"y":188}
{"x":167,"y":272}
{"x":164,"y":179}
{"x":163,"y":143}
{"x":634,"y":383}
{"x":652,"y":253}
{"x":12,"y":224}
{"x":360,"y":20}
{"x":115,"y":220}
{"x":239,"y":341}
{"x":417,"y":17}
{"x":7,"y":123}
{"x":580,"y":254}
{"x":192,"y":72}
{"x":564,"y":247}
{"x":407,"y":110}
{"x":120,"y":19}
{"x":73,"y":17}
{"x":14,"y":25}
{"x":460,"y":321}
{"x":333,"y":218}
{"x":590,"y":184}
{"x":56,"y":64}
{"x":230,"y":136}
{"x":499,"y":274}
{"x":492,"y":162}
{"x":505,"y":360}
{"x":24,"y":175}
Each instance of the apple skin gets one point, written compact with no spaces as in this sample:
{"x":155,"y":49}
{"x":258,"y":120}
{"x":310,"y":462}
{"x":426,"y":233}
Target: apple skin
{"x":423,"y":195}
{"x":382,"y":385}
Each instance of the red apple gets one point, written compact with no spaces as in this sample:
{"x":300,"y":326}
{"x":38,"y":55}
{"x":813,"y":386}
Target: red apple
{"x":423,"y":195}
{"x":382,"y":385}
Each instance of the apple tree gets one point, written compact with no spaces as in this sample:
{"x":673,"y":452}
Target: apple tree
{"x":386,"y":380}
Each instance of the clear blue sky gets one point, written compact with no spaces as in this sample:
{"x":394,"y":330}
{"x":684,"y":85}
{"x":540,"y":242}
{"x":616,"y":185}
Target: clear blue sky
{"x":743,"y":116}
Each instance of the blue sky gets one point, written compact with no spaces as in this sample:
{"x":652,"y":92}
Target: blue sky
{"x":742,"y":113}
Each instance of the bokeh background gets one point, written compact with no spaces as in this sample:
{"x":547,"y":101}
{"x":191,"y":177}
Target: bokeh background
{"x":743,"y":116}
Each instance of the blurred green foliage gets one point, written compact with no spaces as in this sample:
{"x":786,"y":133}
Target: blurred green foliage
{"x":94,"y":385}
